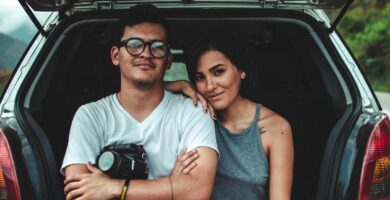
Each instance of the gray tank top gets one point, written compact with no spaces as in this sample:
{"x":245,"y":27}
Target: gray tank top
{"x":243,"y":166}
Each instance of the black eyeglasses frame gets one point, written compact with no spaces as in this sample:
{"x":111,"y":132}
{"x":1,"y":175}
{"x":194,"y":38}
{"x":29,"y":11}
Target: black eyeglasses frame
{"x":123,"y":43}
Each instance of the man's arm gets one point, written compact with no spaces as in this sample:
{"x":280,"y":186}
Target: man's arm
{"x":197,"y":184}
{"x":76,"y":169}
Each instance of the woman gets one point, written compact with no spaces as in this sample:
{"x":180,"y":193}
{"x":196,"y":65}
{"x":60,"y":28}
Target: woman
{"x":255,"y":143}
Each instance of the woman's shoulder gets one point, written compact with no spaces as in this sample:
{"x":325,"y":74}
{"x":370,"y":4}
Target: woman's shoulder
{"x":270,"y":116}
{"x":272,"y":121}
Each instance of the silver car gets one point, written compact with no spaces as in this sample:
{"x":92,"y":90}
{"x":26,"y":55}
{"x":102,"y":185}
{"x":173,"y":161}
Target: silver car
{"x":308,"y":75}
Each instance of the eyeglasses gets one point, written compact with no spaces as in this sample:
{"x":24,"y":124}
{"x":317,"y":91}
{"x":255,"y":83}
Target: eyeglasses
{"x":135,"y":47}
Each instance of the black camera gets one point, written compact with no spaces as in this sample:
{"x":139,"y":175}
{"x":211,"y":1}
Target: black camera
{"x":123,"y":161}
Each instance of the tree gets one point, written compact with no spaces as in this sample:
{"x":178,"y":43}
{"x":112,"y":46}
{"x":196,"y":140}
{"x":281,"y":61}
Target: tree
{"x":366,"y":31}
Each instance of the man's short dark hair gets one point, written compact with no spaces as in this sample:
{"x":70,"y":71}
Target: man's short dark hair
{"x":138,"y":14}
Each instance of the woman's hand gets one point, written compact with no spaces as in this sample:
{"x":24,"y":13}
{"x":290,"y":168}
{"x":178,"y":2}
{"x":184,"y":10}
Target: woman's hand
{"x":186,"y":88}
{"x":185,"y":162}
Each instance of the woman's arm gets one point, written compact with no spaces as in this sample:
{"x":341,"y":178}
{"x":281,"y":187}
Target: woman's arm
{"x":279,"y":147}
{"x":186,"y":88}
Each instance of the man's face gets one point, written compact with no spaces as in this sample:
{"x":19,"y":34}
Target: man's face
{"x":143,"y":70}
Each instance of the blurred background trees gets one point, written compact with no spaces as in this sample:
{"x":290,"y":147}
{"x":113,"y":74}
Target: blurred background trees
{"x":366,"y":29}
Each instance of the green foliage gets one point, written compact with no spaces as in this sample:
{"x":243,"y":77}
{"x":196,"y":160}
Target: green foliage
{"x":5,"y":74}
{"x":177,"y":71}
{"x":366,"y":30}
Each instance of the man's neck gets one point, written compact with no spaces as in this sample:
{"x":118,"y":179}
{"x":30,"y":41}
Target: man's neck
{"x":139,"y":103}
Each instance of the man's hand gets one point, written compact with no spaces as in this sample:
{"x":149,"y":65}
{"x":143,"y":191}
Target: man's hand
{"x":94,"y":185}
{"x":185,"y":162}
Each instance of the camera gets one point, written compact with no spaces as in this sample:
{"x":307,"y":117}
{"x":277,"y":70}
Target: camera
{"x":123,"y":161}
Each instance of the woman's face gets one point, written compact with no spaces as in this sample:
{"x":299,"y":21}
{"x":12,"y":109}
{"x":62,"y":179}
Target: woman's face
{"x":217,"y":79}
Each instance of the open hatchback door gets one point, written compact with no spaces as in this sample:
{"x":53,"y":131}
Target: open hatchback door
{"x":70,"y":6}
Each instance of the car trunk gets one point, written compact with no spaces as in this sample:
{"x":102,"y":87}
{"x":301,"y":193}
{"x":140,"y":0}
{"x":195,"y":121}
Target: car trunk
{"x":299,"y":77}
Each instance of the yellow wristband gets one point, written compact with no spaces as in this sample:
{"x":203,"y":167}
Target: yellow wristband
{"x":124,"y":189}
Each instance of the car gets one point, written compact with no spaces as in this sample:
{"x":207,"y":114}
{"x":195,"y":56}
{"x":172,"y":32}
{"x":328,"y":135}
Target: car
{"x":308,"y":75}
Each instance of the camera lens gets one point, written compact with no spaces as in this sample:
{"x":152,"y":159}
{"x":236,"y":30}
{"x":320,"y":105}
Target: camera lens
{"x":106,"y":161}
{"x":123,"y":161}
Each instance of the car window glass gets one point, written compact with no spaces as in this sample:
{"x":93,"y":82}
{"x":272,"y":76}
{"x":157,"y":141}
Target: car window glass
{"x":16,"y":32}
{"x":177,"y":71}
{"x":332,"y":14}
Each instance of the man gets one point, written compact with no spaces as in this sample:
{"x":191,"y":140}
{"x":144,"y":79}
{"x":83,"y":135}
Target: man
{"x":142,"y":113}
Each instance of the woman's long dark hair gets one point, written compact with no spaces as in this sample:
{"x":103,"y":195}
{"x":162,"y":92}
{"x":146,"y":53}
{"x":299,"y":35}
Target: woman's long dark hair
{"x":234,"y":51}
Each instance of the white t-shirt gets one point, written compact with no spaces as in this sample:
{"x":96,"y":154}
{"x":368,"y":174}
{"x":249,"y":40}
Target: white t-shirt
{"x":173,"y":125}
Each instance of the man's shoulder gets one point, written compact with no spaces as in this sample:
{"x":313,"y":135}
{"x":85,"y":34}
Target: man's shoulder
{"x":176,"y":98}
{"x":184,"y":109}
{"x":179,"y":101}
{"x":98,"y":105}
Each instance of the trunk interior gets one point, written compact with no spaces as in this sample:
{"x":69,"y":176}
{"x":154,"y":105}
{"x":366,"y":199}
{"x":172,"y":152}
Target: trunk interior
{"x":297,"y":79}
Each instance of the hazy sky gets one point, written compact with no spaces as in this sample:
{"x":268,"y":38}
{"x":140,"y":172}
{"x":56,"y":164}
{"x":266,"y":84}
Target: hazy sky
{"x":15,"y":23}
{"x":12,"y":16}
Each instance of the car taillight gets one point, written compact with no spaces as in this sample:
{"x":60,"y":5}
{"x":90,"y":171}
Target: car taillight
{"x":375,"y":178}
{"x":9,"y":187}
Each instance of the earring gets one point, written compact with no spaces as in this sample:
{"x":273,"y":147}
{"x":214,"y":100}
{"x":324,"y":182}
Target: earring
{"x":243,"y":75}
